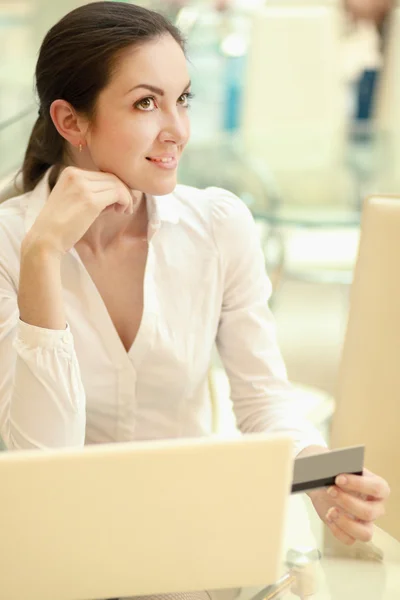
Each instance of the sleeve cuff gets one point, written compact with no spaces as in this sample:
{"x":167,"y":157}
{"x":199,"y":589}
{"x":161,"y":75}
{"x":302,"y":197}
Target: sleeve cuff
{"x":318,"y":440}
{"x":39,"y":337}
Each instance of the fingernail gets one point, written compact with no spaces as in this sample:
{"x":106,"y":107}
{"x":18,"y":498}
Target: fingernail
{"x":332,"y":515}
{"x":341,"y":480}
{"x":333,"y":492}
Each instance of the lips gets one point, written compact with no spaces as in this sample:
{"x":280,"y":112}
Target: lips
{"x":161,"y":159}
{"x":168,"y":162}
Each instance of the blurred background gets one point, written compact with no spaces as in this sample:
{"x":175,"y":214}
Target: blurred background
{"x":296,"y":111}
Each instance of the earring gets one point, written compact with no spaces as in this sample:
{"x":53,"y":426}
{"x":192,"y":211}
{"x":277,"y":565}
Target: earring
{"x":80,"y":147}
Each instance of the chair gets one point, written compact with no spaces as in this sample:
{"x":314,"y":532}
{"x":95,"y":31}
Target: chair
{"x":368,"y":408}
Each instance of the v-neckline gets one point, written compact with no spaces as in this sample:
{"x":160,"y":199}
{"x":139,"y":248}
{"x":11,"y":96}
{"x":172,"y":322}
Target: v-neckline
{"x":103,"y":322}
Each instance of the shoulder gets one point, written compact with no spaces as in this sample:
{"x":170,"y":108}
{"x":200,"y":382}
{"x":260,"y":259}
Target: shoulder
{"x":12,"y":214}
{"x":12,"y":232}
{"x":14,"y":208}
{"x":218,"y":209}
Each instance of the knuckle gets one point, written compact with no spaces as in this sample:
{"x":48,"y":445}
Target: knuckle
{"x":369,"y":514}
{"x":69,"y":173}
{"x":345,"y":501}
{"x":333,"y":528}
{"x":83,"y":185}
{"x":89,"y":201}
{"x":381,"y":488}
{"x":377,"y":491}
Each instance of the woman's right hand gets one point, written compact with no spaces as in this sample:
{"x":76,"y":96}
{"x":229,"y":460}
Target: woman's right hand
{"x":75,"y":202}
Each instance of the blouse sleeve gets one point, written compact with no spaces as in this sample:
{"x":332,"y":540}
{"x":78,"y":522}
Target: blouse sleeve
{"x":42,"y":399}
{"x":263,"y":399}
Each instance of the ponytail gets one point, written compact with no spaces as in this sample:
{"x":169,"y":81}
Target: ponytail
{"x":45,"y":148}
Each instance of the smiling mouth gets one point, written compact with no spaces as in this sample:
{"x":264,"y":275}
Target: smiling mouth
{"x":169,"y":163}
{"x":170,"y":159}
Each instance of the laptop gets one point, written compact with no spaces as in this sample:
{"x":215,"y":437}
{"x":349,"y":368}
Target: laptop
{"x":119,"y":520}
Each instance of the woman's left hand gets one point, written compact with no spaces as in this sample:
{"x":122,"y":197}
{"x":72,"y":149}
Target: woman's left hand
{"x":350,"y":507}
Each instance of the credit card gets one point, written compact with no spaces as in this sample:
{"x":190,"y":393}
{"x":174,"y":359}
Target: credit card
{"x":321,"y":470}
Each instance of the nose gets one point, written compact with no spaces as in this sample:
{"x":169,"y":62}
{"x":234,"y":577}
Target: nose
{"x":175,"y":126}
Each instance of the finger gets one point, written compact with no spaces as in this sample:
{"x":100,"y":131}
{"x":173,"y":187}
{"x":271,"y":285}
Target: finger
{"x":109,"y":183}
{"x":128,"y":198}
{"x":98,"y":186}
{"x":112,"y":196}
{"x":88,"y":174}
{"x":95,"y":175}
{"x":100,"y":178}
{"x":341,"y":535}
{"x":122,"y":209}
{"x":90,"y":179}
{"x":359,"y":508}
{"x":110,"y":178}
{"x":354,"y":529}
{"x":367,"y":484}
{"x":385,"y":488}
{"x":107,"y":178}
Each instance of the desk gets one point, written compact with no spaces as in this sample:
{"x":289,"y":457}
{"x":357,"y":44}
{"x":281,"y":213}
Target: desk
{"x":363,"y":571}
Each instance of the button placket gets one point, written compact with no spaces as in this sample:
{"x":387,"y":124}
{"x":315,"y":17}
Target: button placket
{"x":145,"y":335}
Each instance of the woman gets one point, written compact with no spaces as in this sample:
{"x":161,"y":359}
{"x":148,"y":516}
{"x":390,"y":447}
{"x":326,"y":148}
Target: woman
{"x":115,"y":282}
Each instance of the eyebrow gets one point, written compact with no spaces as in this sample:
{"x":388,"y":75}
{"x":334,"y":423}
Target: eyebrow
{"x":154,"y":89}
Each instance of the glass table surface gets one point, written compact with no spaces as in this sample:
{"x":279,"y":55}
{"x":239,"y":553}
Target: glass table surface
{"x":324,"y":569}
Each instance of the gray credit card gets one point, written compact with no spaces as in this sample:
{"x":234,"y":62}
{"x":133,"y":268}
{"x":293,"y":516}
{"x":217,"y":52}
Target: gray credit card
{"x":321,"y":470}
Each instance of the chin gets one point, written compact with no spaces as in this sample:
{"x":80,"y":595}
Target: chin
{"x":160,"y":188}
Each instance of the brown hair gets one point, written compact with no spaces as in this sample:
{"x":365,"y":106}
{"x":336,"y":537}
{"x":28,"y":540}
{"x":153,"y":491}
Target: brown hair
{"x":75,"y":63}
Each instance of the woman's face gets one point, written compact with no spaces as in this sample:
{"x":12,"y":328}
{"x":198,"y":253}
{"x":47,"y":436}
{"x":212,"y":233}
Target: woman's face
{"x":142,"y":123}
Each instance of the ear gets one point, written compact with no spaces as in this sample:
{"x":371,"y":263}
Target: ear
{"x":71,"y":127}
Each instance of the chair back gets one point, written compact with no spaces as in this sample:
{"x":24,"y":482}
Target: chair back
{"x":368,"y":407}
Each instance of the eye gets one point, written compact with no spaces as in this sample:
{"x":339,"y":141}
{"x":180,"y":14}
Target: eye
{"x":184,"y":100}
{"x":146,"y":104}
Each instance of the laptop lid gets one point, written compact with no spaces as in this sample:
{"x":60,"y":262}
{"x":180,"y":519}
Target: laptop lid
{"x":143,"y":518}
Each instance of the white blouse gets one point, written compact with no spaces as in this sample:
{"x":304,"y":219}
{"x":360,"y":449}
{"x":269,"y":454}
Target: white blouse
{"x":205,"y":282}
